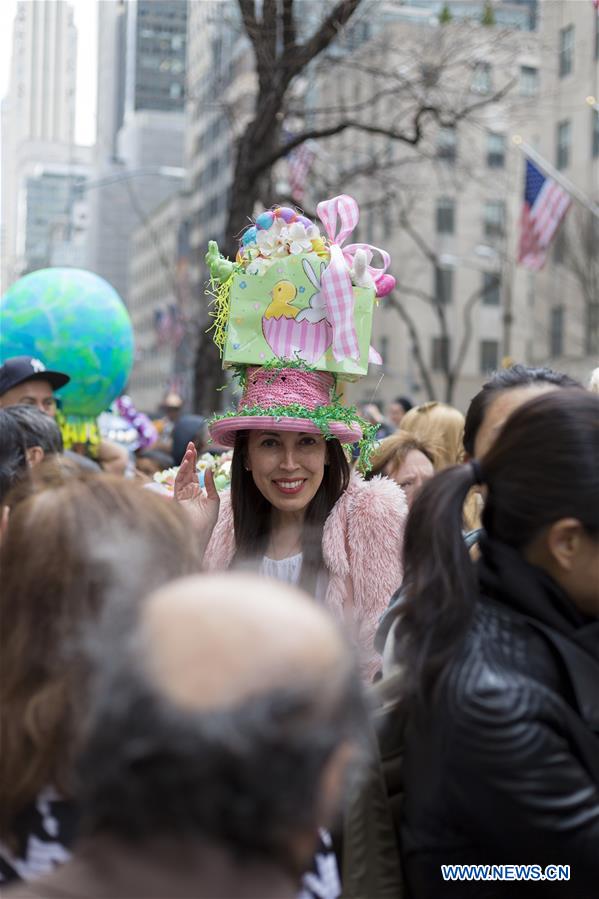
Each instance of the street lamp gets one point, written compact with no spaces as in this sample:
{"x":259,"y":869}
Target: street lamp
{"x":162,"y":171}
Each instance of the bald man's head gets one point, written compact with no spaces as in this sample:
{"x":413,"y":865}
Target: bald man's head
{"x":212,"y":642}
{"x":218,"y":716}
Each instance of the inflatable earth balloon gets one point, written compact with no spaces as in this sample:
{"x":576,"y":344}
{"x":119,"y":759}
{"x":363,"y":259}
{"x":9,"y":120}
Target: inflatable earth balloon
{"x":75,"y":322}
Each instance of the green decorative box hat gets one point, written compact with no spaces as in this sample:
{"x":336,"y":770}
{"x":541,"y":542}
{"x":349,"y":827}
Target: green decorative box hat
{"x":296,"y":308}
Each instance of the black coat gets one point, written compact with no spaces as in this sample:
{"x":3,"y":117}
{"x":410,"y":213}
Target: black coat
{"x":502,"y":765}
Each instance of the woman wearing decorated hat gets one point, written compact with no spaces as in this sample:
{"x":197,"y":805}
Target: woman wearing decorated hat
{"x":294,"y":508}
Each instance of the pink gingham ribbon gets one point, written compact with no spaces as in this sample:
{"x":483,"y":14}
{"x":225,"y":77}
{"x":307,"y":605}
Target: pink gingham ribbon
{"x":336,"y":286}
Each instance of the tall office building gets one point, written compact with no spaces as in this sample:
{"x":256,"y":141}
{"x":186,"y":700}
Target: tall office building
{"x":156,"y":42}
{"x":38,"y":118}
{"x":112,"y":21}
{"x":42,"y":74}
{"x":141,"y":77}
{"x":54,"y":215}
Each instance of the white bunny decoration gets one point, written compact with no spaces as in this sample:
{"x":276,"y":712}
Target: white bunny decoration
{"x":316,"y":310}
{"x":359,"y":274}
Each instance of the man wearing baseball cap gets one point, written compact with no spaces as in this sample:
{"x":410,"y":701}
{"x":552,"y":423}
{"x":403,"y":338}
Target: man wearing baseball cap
{"x":25,"y":380}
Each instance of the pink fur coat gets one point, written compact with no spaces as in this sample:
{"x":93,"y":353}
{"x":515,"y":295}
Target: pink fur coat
{"x":362,"y":548}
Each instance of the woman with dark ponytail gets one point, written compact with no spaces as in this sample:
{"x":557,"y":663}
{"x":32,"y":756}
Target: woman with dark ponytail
{"x":500,"y":662}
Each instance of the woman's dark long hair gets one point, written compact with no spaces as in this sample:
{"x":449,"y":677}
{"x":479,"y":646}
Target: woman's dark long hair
{"x":542,"y":467}
{"x":252,"y":512}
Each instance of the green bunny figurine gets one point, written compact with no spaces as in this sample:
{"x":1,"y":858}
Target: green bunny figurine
{"x":220,"y":268}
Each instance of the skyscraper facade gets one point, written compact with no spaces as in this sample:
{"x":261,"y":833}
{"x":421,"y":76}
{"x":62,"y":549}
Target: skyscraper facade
{"x":141,"y":76}
{"x":156,"y":44}
{"x":38,"y":116}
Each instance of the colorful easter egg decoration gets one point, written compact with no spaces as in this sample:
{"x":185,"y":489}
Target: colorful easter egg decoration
{"x":384,"y":285}
{"x":265,"y":220}
{"x":249,"y":236}
{"x":286,"y":213}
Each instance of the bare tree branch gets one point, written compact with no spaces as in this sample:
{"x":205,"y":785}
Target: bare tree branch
{"x":289,"y":33}
{"x":248,"y":14}
{"x":418,"y":239}
{"x":415,"y":292}
{"x":413,"y":138}
{"x":268,"y":32}
{"x":423,"y":370}
{"x":469,"y":305}
{"x":323,"y":36}
{"x":267,"y":161}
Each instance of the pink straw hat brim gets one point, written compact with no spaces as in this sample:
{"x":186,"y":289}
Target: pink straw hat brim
{"x":224,"y":431}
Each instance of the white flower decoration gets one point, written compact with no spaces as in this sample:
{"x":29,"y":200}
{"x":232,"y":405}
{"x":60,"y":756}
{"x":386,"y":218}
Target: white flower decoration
{"x":259,"y":265}
{"x":298,"y":239}
{"x":267,"y":242}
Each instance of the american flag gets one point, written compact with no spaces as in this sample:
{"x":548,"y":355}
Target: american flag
{"x":162,"y":326}
{"x":300,"y":162}
{"x":545,"y":204}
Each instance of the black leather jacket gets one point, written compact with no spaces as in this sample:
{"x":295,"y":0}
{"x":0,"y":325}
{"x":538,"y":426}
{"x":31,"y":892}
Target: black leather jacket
{"x":502,"y":765}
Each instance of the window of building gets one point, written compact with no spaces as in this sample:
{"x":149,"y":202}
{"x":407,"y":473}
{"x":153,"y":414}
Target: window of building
{"x":566,"y":50}
{"x":482,"y":82}
{"x":564,"y":139}
{"x":440,"y":347}
{"x":559,"y":245}
{"x":556,"y":331}
{"x":370,"y":226}
{"x":529,"y":81}
{"x":592,"y":330}
{"x":447,"y":144}
{"x":489,"y":356}
{"x":213,"y":207}
{"x":384,"y":350}
{"x":491,"y":288}
{"x":445,"y":215}
{"x":595,"y":127}
{"x":443,"y":285}
{"x":494,"y":219}
{"x":385,"y":219}
{"x":495,"y":150}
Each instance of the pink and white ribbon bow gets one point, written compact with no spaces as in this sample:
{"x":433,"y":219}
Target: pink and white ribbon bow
{"x":336,"y":284}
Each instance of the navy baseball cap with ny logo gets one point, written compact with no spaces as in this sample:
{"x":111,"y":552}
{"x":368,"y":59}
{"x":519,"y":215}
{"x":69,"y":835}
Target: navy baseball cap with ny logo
{"x":27,"y":368}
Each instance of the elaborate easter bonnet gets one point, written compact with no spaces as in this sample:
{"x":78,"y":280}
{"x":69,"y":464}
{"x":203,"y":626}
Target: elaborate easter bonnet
{"x":289,"y":399}
{"x":293,"y":317}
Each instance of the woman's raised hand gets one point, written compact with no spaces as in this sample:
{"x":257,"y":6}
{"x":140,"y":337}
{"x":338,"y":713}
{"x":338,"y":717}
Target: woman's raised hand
{"x":201,"y":505}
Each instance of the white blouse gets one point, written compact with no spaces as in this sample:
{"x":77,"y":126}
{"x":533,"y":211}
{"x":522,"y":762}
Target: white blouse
{"x":289,"y":570}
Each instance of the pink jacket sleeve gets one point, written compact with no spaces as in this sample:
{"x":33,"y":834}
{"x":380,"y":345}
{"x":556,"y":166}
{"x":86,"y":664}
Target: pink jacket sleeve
{"x":363,"y":545}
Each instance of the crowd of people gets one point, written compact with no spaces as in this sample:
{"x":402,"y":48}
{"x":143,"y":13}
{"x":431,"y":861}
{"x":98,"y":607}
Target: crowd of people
{"x":318,"y":681}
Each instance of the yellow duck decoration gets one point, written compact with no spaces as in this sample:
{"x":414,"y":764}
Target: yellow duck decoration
{"x":283,"y":294}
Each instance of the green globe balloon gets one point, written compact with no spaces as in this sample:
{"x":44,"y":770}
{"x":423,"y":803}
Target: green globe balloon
{"x":75,"y":322}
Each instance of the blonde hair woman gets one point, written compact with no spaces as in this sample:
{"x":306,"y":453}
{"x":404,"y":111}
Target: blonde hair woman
{"x":404,"y":459}
{"x":441,"y":428}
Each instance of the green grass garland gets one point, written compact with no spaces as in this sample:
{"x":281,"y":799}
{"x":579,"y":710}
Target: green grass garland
{"x":322,"y":417}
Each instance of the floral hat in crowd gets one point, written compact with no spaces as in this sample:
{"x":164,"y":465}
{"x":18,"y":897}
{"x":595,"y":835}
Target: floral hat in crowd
{"x":293,"y":318}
